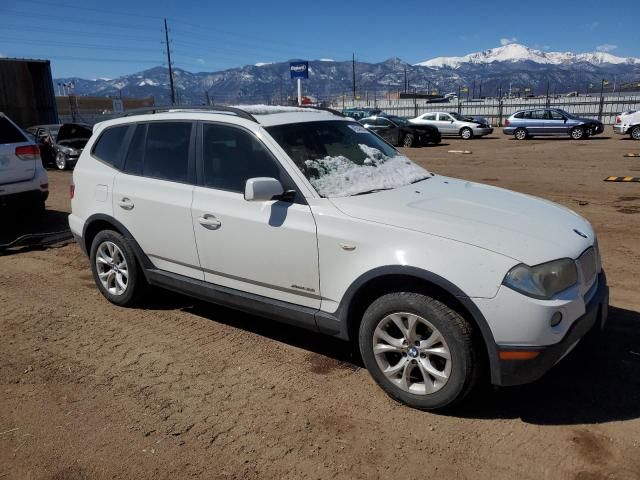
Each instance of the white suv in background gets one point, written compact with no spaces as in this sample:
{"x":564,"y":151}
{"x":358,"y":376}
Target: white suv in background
{"x":628,"y":123}
{"x":24,"y":184}
{"x":307,"y":217}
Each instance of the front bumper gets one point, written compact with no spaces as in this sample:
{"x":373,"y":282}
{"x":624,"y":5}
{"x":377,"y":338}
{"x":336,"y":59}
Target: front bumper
{"x":520,"y":371}
{"x":508,"y":130}
{"x":620,"y":129}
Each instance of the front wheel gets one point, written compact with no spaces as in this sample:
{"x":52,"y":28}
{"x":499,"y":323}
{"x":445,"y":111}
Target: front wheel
{"x":578,"y":133}
{"x":61,"y":161}
{"x":635,"y":132}
{"x":466,"y":133}
{"x":418,"y":350}
{"x":408,"y":140}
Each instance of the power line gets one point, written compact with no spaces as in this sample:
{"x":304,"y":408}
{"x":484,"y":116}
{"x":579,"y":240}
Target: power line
{"x":74,"y":45}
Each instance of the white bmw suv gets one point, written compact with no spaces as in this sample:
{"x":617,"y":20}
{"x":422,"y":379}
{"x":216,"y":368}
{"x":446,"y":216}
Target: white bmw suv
{"x":306,"y":217}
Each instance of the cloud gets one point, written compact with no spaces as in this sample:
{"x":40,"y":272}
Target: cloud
{"x":507,"y":41}
{"x":606,"y":47}
{"x":200,"y":61}
{"x":592,"y":25}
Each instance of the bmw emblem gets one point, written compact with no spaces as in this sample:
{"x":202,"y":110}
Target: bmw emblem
{"x":583,"y":235}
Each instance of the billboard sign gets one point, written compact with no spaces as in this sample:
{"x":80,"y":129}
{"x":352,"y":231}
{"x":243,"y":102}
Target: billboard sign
{"x":299,"y":69}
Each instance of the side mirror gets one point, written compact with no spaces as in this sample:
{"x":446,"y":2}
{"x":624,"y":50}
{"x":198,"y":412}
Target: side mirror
{"x":452,"y":121}
{"x":262,"y":189}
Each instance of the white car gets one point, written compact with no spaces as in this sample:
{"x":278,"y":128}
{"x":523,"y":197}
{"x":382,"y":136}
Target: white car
{"x":306,"y":217}
{"x":628,"y":123}
{"x":452,"y":123}
{"x":24,"y":184}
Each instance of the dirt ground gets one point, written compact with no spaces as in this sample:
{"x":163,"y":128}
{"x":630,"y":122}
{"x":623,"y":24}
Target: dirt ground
{"x":183,"y":389}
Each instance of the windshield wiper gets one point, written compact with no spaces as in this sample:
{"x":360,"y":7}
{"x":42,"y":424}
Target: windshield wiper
{"x":373,"y":190}
{"x":420,"y":179}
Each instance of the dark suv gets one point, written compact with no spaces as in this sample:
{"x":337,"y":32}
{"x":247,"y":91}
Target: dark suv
{"x":548,"y":122}
{"x":399,"y":132}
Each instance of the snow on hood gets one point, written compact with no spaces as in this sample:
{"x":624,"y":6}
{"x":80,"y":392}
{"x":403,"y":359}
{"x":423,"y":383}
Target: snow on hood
{"x":341,"y":177}
{"x":519,"y":226}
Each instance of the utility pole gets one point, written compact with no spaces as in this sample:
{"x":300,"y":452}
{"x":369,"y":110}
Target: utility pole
{"x":405,"y":79}
{"x":206,"y":94}
{"x":166,"y":36}
{"x":353,"y":71}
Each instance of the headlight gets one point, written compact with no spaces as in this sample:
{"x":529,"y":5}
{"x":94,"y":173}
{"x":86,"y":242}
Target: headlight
{"x":542,"y":281}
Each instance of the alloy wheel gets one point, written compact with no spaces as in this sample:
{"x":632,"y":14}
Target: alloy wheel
{"x":112,"y":268}
{"x":412,"y":353}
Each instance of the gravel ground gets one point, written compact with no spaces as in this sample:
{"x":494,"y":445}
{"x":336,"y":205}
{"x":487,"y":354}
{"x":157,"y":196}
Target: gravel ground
{"x":184,"y":389}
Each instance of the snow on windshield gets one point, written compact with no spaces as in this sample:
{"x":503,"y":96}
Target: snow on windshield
{"x":341,"y":177}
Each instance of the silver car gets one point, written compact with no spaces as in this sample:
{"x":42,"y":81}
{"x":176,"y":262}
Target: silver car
{"x":452,"y":123}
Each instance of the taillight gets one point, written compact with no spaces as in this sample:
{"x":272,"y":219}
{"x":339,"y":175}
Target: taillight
{"x":618,"y":120}
{"x":72,"y":191}
{"x":506,"y":123}
{"x":28,"y":152}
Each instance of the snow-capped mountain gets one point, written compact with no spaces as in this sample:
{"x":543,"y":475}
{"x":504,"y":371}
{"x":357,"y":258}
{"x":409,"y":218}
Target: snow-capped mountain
{"x":515,"y":52}
{"x":270,"y":82}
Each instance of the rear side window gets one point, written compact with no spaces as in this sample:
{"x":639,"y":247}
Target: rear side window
{"x":109,"y":145}
{"x":9,"y":133}
{"x":166,"y":154}
{"x":429,"y":116}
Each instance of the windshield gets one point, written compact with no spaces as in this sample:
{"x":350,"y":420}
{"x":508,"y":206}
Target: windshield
{"x":457,"y":116}
{"x":565,"y":113}
{"x":398,"y":120}
{"x":343,"y":158}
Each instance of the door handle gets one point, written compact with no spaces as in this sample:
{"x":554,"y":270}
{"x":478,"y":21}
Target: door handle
{"x":209,"y":221}
{"x":126,"y":203}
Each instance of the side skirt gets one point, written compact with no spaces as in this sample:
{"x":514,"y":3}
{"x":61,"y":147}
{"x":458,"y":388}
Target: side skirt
{"x":247,"y":302}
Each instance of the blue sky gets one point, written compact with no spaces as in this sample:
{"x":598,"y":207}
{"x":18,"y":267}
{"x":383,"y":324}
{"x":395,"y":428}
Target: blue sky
{"x":93,"y":38}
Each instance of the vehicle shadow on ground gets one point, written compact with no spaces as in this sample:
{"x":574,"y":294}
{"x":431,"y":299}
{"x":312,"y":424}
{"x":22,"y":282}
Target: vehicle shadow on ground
{"x":15,"y":224}
{"x":598,"y":382}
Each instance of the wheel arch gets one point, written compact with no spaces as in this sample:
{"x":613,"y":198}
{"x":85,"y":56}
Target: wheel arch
{"x":99,"y":222}
{"x":388,"y":279}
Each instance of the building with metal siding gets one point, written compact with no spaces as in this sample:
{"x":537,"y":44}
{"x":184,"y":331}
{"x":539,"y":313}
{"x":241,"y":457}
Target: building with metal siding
{"x":26,"y":91}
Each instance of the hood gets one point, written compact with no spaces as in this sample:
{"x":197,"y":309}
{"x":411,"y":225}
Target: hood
{"x":73,"y":132}
{"x":525,"y":228}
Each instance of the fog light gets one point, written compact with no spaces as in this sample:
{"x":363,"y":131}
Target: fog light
{"x":555,"y":319}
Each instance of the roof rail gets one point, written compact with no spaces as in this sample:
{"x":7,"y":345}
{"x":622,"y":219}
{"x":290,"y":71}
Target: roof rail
{"x":326,"y":109}
{"x":202,"y":108}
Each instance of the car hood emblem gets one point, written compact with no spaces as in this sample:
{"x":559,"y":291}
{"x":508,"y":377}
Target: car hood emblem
{"x":583,"y":235}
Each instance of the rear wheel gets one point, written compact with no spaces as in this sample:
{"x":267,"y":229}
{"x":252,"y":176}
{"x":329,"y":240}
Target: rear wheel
{"x":635,"y":132}
{"x":115,"y":269}
{"x":466,"y":133}
{"x":408,"y":140}
{"x":578,"y":133}
{"x":520,"y":134}
{"x":418,"y":350}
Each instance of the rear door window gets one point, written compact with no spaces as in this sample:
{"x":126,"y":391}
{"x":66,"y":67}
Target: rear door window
{"x":166,"y":154}
{"x":9,"y":133}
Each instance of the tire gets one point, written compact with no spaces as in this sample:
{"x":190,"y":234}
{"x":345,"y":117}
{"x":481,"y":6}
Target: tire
{"x":578,"y":133}
{"x":408,"y":140}
{"x":379,"y":338}
{"x":110,"y":284}
{"x":635,"y":132}
{"x":466,"y":133}
{"x":61,"y":161}
{"x":520,"y":134}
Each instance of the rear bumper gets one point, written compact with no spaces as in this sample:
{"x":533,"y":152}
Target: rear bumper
{"x":36,"y":187}
{"x":508,"y":130}
{"x":620,"y":129}
{"x":520,"y":371}
{"x":17,"y":199}
{"x":481,"y":132}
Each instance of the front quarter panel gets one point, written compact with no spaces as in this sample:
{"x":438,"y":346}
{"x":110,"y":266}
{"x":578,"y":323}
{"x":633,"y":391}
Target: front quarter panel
{"x":351,"y":247}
